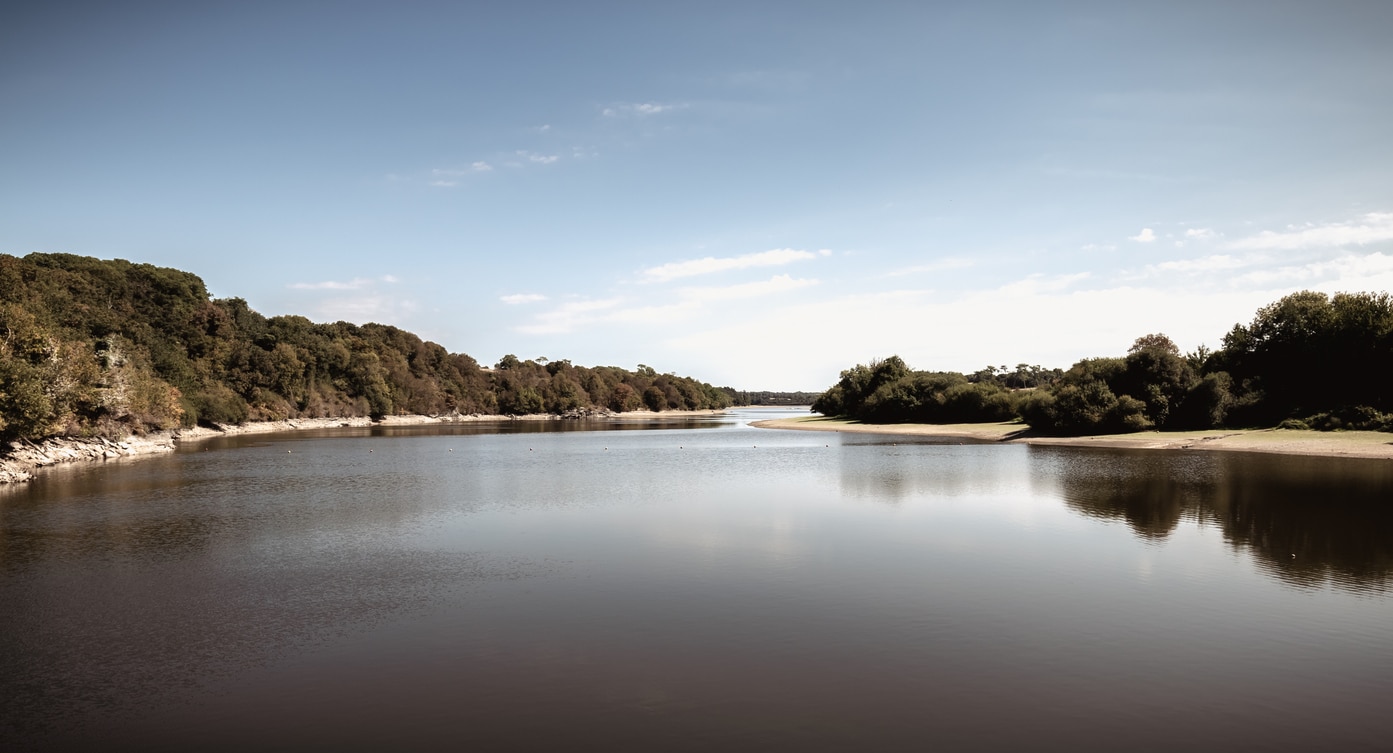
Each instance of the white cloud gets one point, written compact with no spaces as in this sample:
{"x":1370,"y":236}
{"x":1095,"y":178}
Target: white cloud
{"x":1098,"y":247}
{"x":537,"y":159}
{"x":1374,"y":227}
{"x":941,"y":265}
{"x":1205,"y":264}
{"x":365,"y":301}
{"x":357,"y":283}
{"x":641,"y":109}
{"x":448,"y":177}
{"x":1147,"y":235}
{"x":1346,"y":273}
{"x":372,"y":307}
{"x":1199,"y":233}
{"x":772,"y":286}
{"x":518,"y":298}
{"x":1041,"y":283}
{"x":568,"y":316}
{"x":688,"y":303}
{"x":711,"y":264}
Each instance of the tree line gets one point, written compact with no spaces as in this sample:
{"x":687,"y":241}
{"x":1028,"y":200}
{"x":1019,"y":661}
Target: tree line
{"x":108,"y":347}
{"x":1306,"y":361}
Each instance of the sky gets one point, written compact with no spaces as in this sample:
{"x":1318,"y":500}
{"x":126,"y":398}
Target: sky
{"x":758,"y":195}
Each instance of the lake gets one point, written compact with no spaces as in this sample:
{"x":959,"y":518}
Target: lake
{"x":695,"y":584}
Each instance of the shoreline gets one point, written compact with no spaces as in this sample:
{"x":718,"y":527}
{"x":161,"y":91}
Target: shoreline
{"x":23,"y":458}
{"x":1354,"y":444}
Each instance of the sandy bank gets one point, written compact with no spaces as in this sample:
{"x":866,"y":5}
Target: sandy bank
{"x":1360,"y":444}
{"x":22,"y":458}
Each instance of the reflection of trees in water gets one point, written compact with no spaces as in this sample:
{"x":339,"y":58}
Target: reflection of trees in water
{"x":1151,"y":498}
{"x":1311,"y":521}
{"x":1307,"y":521}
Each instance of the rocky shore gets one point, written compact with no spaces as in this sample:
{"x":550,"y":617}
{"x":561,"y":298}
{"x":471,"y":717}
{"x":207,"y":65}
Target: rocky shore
{"x":22,"y":458}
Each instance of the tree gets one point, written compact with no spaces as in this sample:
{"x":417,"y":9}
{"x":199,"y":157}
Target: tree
{"x":654,"y":398}
{"x":1156,"y":342}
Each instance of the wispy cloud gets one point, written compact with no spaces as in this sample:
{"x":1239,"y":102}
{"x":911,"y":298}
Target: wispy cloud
{"x":689,"y":302}
{"x":1206,"y":264}
{"x":774,"y":285}
{"x":357,"y":283}
{"x":448,"y":177}
{"x":537,"y":159}
{"x":1349,"y":272}
{"x":940,"y":265}
{"x":1147,"y":235}
{"x":640,"y":109}
{"x":1041,"y":283}
{"x":374,"y":307}
{"x":711,"y":264}
{"x":1199,"y":233}
{"x":518,"y":298}
{"x":568,"y":316}
{"x":1374,"y":227}
{"x":359,"y":300}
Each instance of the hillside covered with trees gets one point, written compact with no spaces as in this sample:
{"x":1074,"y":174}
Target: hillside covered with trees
{"x":1307,"y":361}
{"x":97,"y":347}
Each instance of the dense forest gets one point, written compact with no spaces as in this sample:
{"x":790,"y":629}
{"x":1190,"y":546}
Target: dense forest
{"x":94,"y":347}
{"x":1307,"y":361}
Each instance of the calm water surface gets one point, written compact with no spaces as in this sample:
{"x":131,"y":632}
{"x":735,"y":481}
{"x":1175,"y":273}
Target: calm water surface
{"x":696,"y":585}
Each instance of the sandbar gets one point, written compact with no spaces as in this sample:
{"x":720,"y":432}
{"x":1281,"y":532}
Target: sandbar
{"x":1357,"y":444}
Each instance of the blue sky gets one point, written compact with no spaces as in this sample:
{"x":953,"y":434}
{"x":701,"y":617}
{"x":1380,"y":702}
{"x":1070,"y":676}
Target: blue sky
{"x":756,"y":194}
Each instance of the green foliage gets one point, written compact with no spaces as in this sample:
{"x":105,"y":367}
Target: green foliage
{"x":93,"y":346}
{"x":1024,"y":376}
{"x":654,"y":399}
{"x":1309,"y":353}
{"x":888,"y":391}
{"x":1359,"y":418}
{"x":26,"y":409}
{"x":1306,"y":360}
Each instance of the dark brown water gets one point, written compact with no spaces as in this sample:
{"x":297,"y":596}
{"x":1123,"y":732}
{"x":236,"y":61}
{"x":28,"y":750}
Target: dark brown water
{"x":695,"y":587}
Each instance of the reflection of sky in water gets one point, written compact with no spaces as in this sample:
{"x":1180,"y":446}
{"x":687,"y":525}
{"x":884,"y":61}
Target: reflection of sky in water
{"x":705,"y":581}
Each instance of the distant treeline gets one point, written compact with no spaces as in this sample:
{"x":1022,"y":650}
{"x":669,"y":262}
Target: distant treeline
{"x":89,"y":346}
{"x":764,"y":397}
{"x":1306,"y":361}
